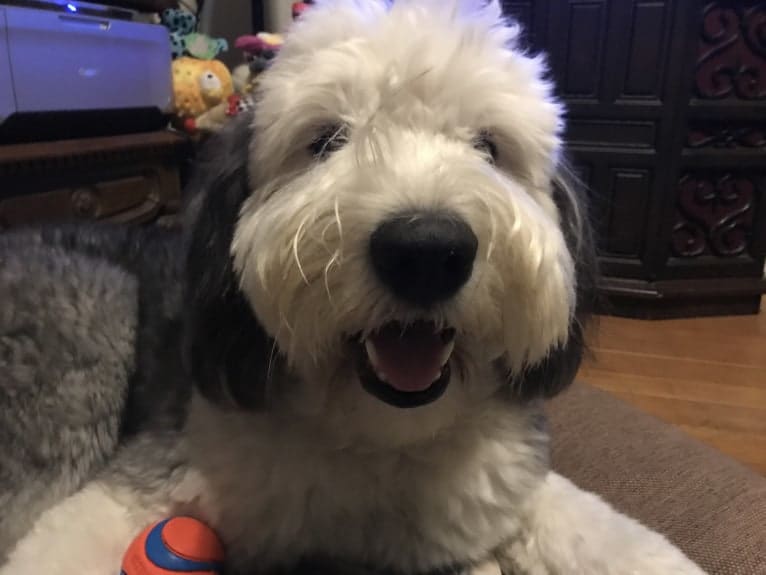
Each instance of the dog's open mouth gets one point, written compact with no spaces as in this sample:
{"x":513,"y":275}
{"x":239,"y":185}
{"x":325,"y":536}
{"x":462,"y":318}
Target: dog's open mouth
{"x":406,"y":366}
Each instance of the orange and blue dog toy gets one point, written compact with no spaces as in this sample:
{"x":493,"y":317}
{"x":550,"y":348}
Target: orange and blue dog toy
{"x":173,"y":546}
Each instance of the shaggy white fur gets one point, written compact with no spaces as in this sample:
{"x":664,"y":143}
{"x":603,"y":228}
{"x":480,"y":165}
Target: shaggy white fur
{"x":329,"y":469}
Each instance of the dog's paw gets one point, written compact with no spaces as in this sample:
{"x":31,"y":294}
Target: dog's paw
{"x":86,"y":534}
{"x":572,"y":532}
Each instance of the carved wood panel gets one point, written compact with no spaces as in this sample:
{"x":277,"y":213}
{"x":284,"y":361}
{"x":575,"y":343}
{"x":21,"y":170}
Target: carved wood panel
{"x":610,"y":133}
{"x":715,"y":213}
{"x":631,"y":189}
{"x":719,"y":198}
{"x":603,"y":51}
{"x":620,"y":200}
{"x":585,"y":33}
{"x":731,"y":57}
{"x":726,"y":135}
{"x":644,"y":69}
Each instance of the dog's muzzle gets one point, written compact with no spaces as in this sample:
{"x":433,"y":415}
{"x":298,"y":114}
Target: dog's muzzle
{"x":423,"y":259}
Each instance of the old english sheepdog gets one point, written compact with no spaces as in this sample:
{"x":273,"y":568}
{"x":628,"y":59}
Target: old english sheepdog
{"x":385,"y":273}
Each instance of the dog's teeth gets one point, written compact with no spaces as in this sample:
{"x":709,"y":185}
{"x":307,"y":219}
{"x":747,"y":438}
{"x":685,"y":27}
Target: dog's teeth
{"x":372,"y":353}
{"x":446,"y":353}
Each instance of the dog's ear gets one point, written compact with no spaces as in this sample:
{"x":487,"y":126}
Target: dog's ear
{"x":227,"y":352}
{"x":558,"y":370}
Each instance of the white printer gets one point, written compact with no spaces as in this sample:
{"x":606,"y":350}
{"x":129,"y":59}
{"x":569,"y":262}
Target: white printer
{"x":71,"y":69}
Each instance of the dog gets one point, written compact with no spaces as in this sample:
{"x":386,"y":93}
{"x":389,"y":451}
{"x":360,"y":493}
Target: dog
{"x":385,"y":271}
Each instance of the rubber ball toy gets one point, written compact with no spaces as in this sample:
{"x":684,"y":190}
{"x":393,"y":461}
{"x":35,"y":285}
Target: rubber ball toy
{"x":175,"y":545}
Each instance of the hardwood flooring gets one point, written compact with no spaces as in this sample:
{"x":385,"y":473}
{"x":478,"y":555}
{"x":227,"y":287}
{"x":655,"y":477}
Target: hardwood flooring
{"x":706,"y":375}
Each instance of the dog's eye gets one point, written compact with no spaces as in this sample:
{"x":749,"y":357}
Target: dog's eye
{"x":486,"y":145}
{"x":328,"y":139}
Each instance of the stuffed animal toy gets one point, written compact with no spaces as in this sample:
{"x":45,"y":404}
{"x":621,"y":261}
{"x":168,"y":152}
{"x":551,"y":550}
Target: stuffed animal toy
{"x":179,"y":23}
{"x":199,"y":85}
{"x":185,"y":40}
{"x":178,"y":20}
{"x":215,"y":118}
{"x":259,"y":50}
{"x":203,"y":46}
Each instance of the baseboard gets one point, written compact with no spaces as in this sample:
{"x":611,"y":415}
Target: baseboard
{"x":681,"y":298}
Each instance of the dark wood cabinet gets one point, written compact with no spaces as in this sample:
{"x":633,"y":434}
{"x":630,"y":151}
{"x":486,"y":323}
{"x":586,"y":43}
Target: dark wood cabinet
{"x":666,"y":108}
{"x":132,"y":179}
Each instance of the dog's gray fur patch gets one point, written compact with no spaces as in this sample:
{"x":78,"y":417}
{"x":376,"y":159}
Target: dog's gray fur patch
{"x":67,"y":329}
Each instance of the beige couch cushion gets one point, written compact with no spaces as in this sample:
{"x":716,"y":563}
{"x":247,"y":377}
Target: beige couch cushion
{"x":709,"y":505}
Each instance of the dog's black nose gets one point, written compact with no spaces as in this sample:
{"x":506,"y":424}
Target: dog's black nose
{"x":423,"y":258}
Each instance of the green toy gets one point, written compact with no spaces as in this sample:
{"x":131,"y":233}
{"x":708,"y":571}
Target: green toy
{"x":184,"y":38}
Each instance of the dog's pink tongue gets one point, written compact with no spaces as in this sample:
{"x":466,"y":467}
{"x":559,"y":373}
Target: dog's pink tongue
{"x":410,"y":360}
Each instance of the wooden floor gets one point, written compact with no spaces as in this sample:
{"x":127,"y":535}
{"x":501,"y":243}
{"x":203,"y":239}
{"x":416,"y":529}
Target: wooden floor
{"x":706,"y":375}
